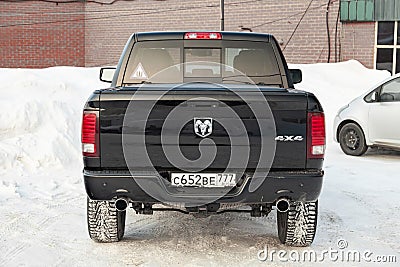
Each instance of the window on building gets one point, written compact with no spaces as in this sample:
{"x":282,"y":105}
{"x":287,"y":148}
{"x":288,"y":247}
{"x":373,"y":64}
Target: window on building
{"x":388,"y":46}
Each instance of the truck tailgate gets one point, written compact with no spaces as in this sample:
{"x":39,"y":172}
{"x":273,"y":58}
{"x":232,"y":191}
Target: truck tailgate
{"x":289,"y":110}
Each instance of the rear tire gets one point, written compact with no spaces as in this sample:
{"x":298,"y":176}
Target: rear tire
{"x":105,"y":223}
{"x":297,"y":226}
{"x":352,"y":140}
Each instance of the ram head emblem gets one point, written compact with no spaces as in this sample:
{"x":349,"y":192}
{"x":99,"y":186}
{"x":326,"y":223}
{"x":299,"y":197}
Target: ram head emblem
{"x":203,"y":126}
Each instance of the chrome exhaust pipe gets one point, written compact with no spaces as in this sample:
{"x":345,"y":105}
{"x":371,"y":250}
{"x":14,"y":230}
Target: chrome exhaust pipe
{"x":121,"y":204}
{"x":283,"y":205}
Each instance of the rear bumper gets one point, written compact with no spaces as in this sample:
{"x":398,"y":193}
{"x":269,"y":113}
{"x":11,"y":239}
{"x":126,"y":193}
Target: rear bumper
{"x":297,"y":186}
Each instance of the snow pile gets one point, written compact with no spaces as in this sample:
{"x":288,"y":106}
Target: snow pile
{"x":8,"y":190}
{"x":40,"y":116}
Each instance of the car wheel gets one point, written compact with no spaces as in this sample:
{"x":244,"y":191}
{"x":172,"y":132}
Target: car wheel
{"x":105,"y":222}
{"x":298,"y":225}
{"x":352,"y":140}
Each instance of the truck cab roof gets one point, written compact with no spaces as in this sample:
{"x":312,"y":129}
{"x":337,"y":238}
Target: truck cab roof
{"x":178,"y":35}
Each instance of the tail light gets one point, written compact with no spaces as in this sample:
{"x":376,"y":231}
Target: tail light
{"x":90,"y":135}
{"x":203,"y":35}
{"x":316,"y":135}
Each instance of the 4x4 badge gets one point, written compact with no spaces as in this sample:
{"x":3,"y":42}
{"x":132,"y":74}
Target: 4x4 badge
{"x":203,"y":126}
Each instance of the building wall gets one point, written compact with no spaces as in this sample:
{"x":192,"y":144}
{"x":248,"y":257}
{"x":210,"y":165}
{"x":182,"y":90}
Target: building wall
{"x":89,"y":34}
{"x":108,"y":27}
{"x":28,"y":40}
{"x":306,"y":44}
{"x":357,"y":42}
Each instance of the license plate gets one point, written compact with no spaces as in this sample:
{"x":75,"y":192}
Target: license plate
{"x":204,"y":179}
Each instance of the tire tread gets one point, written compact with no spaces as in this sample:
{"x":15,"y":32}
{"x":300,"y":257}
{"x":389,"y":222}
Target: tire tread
{"x":300,"y":225}
{"x":105,"y":223}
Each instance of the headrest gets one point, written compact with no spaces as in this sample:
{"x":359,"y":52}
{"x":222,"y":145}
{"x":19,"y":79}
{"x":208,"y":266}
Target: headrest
{"x":251,"y":62}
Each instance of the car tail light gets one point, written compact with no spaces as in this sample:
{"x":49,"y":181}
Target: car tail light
{"x":316,"y":135}
{"x":203,"y":35}
{"x":90,"y":134}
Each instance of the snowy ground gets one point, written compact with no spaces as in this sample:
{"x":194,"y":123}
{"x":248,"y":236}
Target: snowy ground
{"x":42,"y":198}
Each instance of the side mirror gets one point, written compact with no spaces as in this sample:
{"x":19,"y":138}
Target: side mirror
{"x":297,"y":75}
{"x":375,"y":96}
{"x":107,"y":74}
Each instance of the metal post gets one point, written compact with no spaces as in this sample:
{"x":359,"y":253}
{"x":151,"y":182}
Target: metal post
{"x":222,"y":15}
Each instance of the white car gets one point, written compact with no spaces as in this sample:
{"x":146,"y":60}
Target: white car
{"x":372,"y":119}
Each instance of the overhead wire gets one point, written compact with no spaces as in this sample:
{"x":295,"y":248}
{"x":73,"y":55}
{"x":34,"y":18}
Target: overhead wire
{"x":69,"y":1}
{"x":285,"y":18}
{"x":24,"y":13}
{"x":155,"y":11}
{"x":298,"y":24}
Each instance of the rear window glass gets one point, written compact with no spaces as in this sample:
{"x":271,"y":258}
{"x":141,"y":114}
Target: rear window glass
{"x":202,"y":62}
{"x":231,"y":62}
{"x":154,"y":58}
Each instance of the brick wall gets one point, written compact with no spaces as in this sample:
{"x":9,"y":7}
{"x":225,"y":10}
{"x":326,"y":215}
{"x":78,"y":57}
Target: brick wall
{"x":108,"y":27}
{"x":37,"y":44}
{"x":309,"y":44}
{"x":105,"y":38}
{"x":357,"y":42}
{"x":89,"y":34}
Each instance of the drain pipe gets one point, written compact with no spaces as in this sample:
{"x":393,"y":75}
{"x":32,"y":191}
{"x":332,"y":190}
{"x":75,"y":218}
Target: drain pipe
{"x":222,"y":5}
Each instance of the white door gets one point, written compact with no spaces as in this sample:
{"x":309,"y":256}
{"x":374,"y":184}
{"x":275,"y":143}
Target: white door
{"x":384,"y":115}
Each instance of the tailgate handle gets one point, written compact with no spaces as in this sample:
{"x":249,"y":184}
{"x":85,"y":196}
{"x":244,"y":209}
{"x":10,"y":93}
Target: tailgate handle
{"x":205,"y":106}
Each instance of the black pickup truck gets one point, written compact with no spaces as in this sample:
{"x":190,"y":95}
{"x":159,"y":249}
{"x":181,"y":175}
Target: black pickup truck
{"x":203,"y":123}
